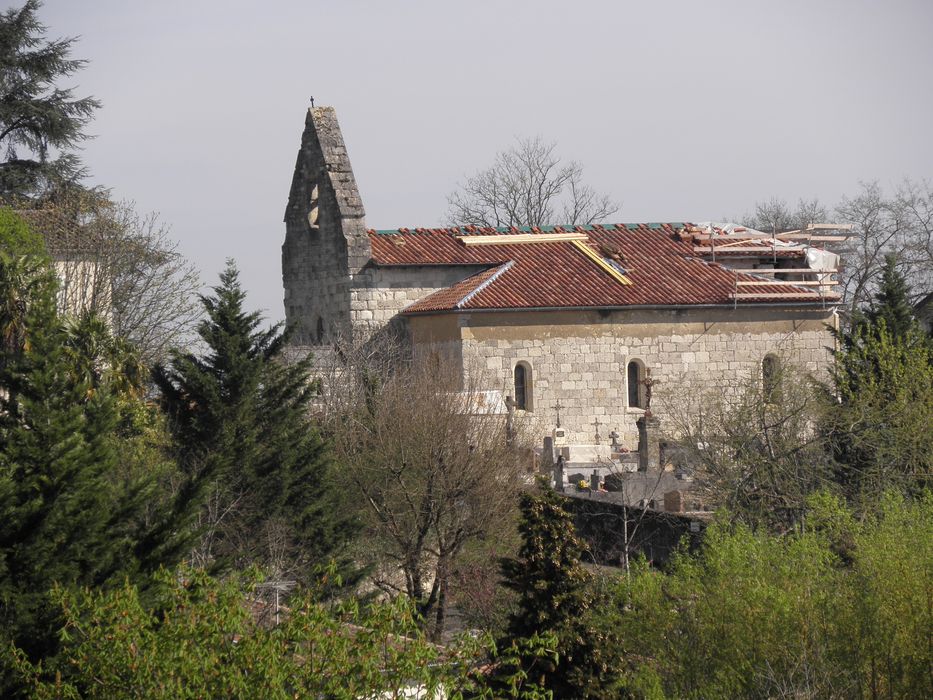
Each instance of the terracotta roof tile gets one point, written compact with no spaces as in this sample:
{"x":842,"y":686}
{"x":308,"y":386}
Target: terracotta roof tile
{"x":663,"y":269}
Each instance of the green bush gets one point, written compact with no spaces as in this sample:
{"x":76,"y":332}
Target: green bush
{"x":841,"y":610}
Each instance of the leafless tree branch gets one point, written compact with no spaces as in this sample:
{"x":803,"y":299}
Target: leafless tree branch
{"x":526,"y":186}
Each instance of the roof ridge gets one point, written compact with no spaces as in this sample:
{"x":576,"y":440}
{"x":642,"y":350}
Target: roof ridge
{"x":549,"y":228}
{"x":502,"y":269}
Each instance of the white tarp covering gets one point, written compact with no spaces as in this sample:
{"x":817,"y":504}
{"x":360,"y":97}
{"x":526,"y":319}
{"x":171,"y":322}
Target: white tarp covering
{"x":728,"y":228}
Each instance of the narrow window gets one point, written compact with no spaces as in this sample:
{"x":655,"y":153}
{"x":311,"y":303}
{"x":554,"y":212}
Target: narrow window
{"x":770,"y":378}
{"x":521,"y":386}
{"x":635,"y":374}
{"x":319,"y":331}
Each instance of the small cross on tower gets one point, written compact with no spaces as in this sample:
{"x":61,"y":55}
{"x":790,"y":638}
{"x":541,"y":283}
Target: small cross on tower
{"x":557,"y":407}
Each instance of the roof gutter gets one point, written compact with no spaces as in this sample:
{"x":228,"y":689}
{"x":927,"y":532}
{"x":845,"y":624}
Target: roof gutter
{"x":630,"y":307}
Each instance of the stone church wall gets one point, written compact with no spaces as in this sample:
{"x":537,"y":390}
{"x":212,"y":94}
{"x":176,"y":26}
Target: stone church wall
{"x":381,"y":293}
{"x":580,"y":358}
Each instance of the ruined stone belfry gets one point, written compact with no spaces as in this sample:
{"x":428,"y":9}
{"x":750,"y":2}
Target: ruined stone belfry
{"x":326,"y":243}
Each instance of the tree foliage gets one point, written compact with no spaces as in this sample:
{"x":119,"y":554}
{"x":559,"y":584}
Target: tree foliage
{"x":528,"y":185}
{"x":891,"y":305}
{"x":75,"y":508}
{"x":756,"y":615}
{"x":879,"y":426}
{"x":203,"y":639}
{"x":433,"y":467}
{"x":880,"y":405}
{"x":556,"y":598}
{"x":24,"y":279}
{"x":547,"y":574}
{"x":752,"y":442}
{"x":120,"y":265}
{"x":253,"y":459}
{"x":41,"y":123}
{"x":18,"y":238}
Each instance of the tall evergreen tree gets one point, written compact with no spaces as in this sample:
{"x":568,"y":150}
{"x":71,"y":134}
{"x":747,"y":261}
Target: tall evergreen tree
{"x":40,"y":123}
{"x":57,"y":506}
{"x":241,"y":420}
{"x":880,"y":406}
{"x":81,"y":503}
{"x":547,"y":575}
{"x":879,"y":415}
{"x":891,"y":304}
{"x":556,"y":595}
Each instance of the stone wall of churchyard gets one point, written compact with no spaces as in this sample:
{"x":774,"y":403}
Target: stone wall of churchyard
{"x":580,"y":358}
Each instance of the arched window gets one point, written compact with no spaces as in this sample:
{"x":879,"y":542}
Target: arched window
{"x":319,"y":331}
{"x":523,"y":386}
{"x":635,"y":375}
{"x":770,"y":378}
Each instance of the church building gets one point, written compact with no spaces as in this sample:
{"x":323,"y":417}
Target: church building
{"x":580,"y":320}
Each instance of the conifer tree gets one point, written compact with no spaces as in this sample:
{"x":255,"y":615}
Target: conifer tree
{"x":57,"y":506}
{"x":40,"y":122}
{"x":892,"y":305}
{"x":547,"y":575}
{"x":81,"y":503}
{"x":880,"y":407}
{"x":254,"y":460}
{"x":556,"y":595}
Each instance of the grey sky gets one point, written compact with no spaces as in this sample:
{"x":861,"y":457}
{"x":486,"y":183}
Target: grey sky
{"x":680,"y":110}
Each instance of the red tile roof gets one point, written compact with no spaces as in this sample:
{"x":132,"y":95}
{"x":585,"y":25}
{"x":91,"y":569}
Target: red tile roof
{"x":663,"y":270}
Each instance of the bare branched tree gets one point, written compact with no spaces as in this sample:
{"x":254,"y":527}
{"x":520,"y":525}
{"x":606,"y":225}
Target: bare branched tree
{"x":528,"y":185}
{"x":431,"y":461}
{"x":776,"y":215}
{"x":753,"y":444}
{"x":899,"y":223}
{"x":879,"y":229}
{"x":123,"y":266}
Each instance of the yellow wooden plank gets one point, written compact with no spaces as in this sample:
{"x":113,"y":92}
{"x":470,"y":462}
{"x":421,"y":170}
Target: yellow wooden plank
{"x":780,"y":270}
{"x":521,"y":238}
{"x":796,"y":283}
{"x":776,"y":295}
{"x":598,"y":259}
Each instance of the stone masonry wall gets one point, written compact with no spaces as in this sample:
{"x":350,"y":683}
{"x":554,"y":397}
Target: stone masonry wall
{"x":580,"y":358}
{"x":326,"y":243}
{"x":380,"y":293}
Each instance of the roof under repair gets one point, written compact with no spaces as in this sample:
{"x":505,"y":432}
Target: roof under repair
{"x":618,"y":265}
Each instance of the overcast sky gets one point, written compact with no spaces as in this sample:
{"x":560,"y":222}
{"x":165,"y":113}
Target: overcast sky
{"x":679,"y":110}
